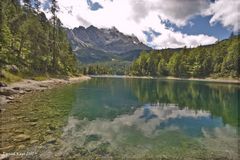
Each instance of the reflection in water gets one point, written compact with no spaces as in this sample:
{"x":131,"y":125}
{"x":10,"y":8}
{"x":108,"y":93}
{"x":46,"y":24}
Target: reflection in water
{"x":150,"y":128}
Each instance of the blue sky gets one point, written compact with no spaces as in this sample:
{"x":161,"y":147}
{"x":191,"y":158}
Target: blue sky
{"x":201,"y":25}
{"x":157,"y":23}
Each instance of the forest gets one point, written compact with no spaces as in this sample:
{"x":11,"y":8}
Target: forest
{"x":218,"y":60}
{"x":30,"y":44}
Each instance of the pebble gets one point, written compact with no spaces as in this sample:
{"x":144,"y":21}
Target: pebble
{"x":21,"y":146}
{"x":5,"y":149}
{"x":21,"y":117}
{"x":21,"y":92}
{"x":49,"y":132}
{"x":22,"y":138}
{"x":33,"y":141}
{"x":33,"y":120}
{"x":18,"y":132}
{"x":10,"y":98}
{"x":42,"y":85}
{"x":33,"y":124}
{"x":28,"y":90}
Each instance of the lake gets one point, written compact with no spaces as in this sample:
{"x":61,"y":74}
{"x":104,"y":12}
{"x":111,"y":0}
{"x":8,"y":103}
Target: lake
{"x":126,"y":118}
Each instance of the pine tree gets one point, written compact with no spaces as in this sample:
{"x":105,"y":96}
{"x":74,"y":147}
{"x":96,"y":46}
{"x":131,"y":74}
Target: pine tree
{"x":27,"y":3}
{"x":54,"y":10}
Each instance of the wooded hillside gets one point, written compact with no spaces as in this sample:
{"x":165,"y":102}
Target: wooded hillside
{"x":218,"y":60}
{"x":32,"y":44}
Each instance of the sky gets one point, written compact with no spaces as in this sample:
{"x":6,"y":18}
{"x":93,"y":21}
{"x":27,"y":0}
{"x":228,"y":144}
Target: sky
{"x":157,"y":23}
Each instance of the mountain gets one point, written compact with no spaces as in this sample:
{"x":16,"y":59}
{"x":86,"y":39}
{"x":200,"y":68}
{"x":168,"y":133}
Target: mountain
{"x":95,"y":45}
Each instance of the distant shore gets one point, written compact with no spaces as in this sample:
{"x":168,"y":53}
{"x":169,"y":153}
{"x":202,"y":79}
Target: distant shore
{"x":12,"y":91}
{"x":218,"y":80}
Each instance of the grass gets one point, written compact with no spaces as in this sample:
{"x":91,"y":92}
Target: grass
{"x":40,"y":78}
{"x":9,"y":77}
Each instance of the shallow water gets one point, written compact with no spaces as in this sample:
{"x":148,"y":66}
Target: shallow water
{"x":127,"y":118}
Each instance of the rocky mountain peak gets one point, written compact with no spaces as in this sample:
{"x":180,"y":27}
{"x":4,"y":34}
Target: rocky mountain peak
{"x":104,"y":39}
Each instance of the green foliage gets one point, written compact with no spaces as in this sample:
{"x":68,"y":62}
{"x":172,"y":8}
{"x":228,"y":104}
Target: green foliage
{"x":31,"y":42}
{"x":9,"y":77}
{"x":110,"y":68}
{"x":218,"y":60}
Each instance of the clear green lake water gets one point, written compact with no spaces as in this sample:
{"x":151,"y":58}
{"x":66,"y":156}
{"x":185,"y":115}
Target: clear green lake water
{"x":127,"y":118}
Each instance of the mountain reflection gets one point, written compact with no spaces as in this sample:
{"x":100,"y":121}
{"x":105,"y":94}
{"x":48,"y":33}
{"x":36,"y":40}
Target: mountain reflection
{"x":109,"y":97}
{"x":152,"y":125}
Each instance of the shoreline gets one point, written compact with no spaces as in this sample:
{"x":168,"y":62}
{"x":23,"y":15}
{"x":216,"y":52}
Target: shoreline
{"x":15,"y":90}
{"x":218,"y":80}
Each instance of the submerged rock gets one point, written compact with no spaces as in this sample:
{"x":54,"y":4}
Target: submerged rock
{"x":18,"y":131}
{"x":33,"y":124}
{"x":21,"y":146}
{"x":33,"y":141}
{"x":21,"y":117}
{"x":22,"y":138}
{"x":51,"y":127}
{"x":92,"y":137}
{"x":51,"y":140}
{"x":33,"y":120}
{"x":6,"y":149}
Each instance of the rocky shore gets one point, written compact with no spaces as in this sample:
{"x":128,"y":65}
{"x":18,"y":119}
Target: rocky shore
{"x":9,"y":93}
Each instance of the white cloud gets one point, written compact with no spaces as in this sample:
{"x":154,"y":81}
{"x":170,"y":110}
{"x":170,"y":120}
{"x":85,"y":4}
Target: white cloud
{"x":130,"y":17}
{"x":176,"y":11}
{"x":226,"y":12}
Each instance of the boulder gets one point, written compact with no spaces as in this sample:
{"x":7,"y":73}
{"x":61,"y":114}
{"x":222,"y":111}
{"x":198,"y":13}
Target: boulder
{"x":2,"y":84}
{"x":7,"y":91}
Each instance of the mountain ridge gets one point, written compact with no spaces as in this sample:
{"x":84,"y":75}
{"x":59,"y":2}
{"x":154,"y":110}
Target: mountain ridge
{"x":104,"y":40}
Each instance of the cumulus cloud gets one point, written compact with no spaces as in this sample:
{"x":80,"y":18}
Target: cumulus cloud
{"x":226,"y":12}
{"x":135,"y":17}
{"x":177,"y":12}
